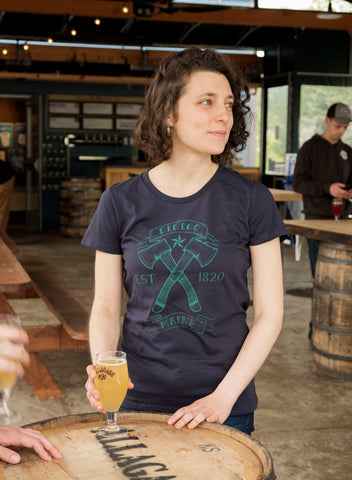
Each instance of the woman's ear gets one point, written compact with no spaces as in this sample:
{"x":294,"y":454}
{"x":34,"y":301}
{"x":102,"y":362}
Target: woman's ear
{"x":170,"y":120}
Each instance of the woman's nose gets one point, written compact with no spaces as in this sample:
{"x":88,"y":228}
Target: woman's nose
{"x":224,"y":113}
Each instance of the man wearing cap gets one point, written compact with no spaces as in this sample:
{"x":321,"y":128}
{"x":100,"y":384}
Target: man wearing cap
{"x":324,"y":171}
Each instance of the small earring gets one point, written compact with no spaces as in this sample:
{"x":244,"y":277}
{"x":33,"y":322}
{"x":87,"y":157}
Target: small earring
{"x":168,"y":130}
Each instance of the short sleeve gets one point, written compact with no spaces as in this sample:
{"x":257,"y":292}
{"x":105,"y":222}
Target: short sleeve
{"x":264,"y":217}
{"x":103,"y":232}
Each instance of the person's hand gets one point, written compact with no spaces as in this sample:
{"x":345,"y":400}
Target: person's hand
{"x":12,"y":353}
{"x":92,"y":393}
{"x":25,"y":437}
{"x":349,"y":193}
{"x":211,"y":408}
{"x":337,"y":191}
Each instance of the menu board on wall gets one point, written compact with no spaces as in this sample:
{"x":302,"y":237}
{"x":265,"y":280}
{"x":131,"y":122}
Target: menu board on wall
{"x":63,"y":107}
{"x":98,"y":123}
{"x":66,"y":123}
{"x":125,"y":123}
{"x":128,"y":109}
{"x":94,"y":108}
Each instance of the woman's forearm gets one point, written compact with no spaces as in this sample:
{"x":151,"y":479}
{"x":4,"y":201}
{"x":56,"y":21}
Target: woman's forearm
{"x":104,"y":331}
{"x":104,"y":325}
{"x":251,"y":357}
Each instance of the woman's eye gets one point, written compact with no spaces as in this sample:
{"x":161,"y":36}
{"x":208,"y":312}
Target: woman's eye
{"x":206,"y":102}
{"x":229,"y":105}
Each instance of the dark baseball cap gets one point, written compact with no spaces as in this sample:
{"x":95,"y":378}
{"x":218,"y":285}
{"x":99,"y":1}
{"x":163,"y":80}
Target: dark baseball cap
{"x":340,"y":112}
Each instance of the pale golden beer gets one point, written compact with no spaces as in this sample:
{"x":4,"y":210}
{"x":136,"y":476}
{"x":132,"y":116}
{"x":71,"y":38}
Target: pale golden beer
{"x":111,"y":381}
{"x":7,"y":381}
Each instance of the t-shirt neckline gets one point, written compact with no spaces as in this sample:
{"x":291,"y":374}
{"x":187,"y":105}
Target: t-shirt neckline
{"x":190,"y":198}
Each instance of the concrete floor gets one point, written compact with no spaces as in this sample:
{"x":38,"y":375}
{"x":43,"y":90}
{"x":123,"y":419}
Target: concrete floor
{"x":303,"y":419}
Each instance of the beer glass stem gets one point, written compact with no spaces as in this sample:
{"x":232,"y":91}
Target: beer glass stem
{"x":7,"y":416}
{"x":4,"y":409}
{"x":111,"y":425}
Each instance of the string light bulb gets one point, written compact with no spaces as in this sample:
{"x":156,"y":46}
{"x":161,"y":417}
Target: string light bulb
{"x":4,"y":51}
{"x":97,"y":21}
{"x":124,"y":9}
{"x":50,"y":40}
{"x":25,"y":46}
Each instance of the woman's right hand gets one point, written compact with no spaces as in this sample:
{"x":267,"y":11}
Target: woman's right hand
{"x":92,"y":393}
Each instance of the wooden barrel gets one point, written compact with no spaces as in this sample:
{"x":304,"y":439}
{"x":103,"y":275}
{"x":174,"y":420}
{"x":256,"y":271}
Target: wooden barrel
{"x":151,"y":449}
{"x":332,"y":310}
{"x":79,"y":198}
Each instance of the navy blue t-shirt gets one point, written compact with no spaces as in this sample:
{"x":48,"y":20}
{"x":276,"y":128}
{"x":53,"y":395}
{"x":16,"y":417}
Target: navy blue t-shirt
{"x":186,"y":262}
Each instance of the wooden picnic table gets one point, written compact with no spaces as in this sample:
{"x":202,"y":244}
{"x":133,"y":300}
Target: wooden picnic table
{"x":285,"y":195}
{"x":13,"y":278}
{"x":70,"y":331}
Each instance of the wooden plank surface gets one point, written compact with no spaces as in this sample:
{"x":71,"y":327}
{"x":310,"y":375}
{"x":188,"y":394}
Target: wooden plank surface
{"x":150,"y":449}
{"x":285,"y":195}
{"x":8,"y":241}
{"x":324,"y":230}
{"x":71,"y":314}
{"x":5,"y":307}
{"x":13,"y":278}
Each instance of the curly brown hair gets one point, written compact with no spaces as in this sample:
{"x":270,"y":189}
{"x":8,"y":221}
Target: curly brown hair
{"x":165,"y":90}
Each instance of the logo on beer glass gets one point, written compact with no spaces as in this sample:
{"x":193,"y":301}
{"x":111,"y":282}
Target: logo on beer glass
{"x":103,"y":372}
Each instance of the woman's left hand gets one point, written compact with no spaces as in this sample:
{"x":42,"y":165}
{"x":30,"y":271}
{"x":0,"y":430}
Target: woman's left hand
{"x":211,"y":408}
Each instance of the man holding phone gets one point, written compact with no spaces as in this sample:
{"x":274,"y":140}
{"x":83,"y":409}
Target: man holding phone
{"x":324,"y":171}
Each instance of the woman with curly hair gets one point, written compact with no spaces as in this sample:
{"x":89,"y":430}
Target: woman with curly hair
{"x":181,"y":238}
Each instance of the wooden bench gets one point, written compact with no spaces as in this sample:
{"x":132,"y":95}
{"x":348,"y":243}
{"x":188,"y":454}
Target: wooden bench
{"x":8,"y":241}
{"x":71,"y":331}
{"x":14,"y":280}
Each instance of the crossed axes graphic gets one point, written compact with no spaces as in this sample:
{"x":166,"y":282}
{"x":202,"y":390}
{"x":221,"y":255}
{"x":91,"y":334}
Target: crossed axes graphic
{"x":195,"y":248}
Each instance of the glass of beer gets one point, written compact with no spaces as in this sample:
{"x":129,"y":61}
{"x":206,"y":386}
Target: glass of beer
{"x":7,"y":380}
{"x":337,"y":205}
{"x":111,"y":382}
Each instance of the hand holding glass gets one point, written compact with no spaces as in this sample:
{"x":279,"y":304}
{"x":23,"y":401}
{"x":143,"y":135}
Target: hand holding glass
{"x":337,"y":204}
{"x":8,"y":379}
{"x":111,"y":382}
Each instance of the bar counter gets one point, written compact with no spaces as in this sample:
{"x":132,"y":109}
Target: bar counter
{"x":324,"y":230}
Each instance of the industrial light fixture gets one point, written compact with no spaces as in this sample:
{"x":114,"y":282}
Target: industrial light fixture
{"x":330,"y":15}
{"x":260,"y":53}
{"x":97,"y":21}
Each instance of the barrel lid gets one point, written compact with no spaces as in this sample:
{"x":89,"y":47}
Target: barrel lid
{"x":151,"y":450}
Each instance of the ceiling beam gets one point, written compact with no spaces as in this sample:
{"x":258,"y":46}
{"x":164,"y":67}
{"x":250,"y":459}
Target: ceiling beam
{"x":60,"y":77}
{"x":230,"y":16}
{"x":52,"y":53}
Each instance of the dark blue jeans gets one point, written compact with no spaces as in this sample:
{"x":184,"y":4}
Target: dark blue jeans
{"x":313,"y":248}
{"x":244,"y":423}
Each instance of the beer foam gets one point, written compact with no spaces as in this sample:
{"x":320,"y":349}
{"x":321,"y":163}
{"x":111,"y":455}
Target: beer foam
{"x":111,"y":361}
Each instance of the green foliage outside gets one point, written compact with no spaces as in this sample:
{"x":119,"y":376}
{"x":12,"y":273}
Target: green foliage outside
{"x":315,"y":101}
{"x":276,"y":133}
